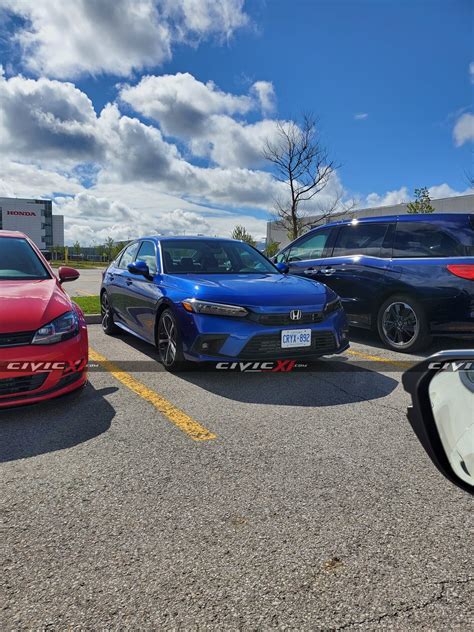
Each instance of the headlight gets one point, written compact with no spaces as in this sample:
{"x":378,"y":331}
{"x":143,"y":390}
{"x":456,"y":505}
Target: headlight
{"x":333,"y":306}
{"x":215,"y":309}
{"x":62,"y":328}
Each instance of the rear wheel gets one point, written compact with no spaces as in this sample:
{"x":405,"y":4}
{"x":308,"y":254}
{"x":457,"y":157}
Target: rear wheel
{"x":402,"y":324}
{"x":169,"y":343}
{"x":108,"y":325}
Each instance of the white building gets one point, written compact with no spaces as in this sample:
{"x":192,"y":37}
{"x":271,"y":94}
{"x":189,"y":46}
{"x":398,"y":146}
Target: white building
{"x":34,"y":218}
{"x":459,"y":204}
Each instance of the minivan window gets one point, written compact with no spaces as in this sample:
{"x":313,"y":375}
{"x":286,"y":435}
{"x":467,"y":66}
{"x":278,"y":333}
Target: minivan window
{"x":310,"y":247}
{"x":360,"y":239}
{"x":128,"y":256}
{"x":147,"y":253}
{"x":420,"y":239}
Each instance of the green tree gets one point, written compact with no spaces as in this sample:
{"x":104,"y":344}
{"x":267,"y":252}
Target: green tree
{"x":109,"y":248}
{"x":76,"y":248}
{"x":272,"y":248}
{"x":421,"y":203}
{"x":241,"y":234}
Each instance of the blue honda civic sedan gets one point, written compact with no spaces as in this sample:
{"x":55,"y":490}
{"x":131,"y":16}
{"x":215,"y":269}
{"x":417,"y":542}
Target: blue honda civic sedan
{"x":211,"y":300}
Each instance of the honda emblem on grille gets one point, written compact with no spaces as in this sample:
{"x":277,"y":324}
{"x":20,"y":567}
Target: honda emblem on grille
{"x":295,"y":314}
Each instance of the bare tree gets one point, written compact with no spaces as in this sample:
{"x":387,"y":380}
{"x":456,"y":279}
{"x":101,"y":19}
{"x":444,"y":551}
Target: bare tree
{"x":302,"y":163}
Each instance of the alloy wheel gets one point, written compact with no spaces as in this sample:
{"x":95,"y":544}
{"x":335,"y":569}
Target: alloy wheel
{"x":167,"y":340}
{"x":105,"y":311}
{"x":400,"y":324}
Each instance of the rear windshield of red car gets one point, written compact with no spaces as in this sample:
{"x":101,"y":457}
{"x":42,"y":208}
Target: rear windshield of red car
{"x":18,"y":261}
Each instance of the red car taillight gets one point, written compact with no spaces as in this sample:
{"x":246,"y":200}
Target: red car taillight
{"x":465,"y":271}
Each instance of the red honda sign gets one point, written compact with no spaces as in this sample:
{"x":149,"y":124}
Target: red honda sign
{"x":22,"y":213}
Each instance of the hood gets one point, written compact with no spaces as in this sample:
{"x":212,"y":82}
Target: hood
{"x":28,"y":305}
{"x":262,"y":290}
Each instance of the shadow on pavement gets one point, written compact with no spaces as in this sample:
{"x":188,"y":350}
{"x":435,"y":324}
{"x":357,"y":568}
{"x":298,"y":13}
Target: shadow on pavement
{"x":61,"y":423}
{"x":328,"y":384}
{"x":369,"y":338}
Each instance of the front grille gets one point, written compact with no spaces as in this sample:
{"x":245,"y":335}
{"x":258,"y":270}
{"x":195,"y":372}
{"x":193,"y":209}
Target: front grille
{"x":18,"y":339}
{"x":269,"y":345}
{"x":22,"y":384}
{"x":277,"y":320}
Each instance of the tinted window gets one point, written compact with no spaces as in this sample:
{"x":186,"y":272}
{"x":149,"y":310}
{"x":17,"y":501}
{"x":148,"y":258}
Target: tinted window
{"x":128,"y":256}
{"x":360,"y":239}
{"x":19,"y":261}
{"x":419,"y":239}
{"x":193,"y":256}
{"x":309,"y":247}
{"x":147,"y":253}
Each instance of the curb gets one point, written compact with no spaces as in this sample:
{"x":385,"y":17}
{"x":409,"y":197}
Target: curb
{"x":93,"y":319}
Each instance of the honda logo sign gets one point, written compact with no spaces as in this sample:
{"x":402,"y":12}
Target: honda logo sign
{"x":296,"y":314}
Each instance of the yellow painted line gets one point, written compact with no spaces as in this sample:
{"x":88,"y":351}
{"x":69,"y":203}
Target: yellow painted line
{"x":82,"y":293}
{"x":184,"y":422}
{"x":404,"y":364}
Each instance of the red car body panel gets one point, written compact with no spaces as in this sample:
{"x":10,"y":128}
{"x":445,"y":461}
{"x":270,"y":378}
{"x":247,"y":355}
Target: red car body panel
{"x":25,"y":306}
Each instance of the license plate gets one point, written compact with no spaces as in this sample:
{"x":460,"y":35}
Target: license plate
{"x":295,"y":338}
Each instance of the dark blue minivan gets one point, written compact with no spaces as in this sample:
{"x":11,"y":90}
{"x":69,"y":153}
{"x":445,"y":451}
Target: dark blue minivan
{"x":408,"y":277}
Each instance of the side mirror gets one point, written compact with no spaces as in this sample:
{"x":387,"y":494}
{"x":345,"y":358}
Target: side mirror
{"x":284,"y":269}
{"x":67,"y":274}
{"x":442,"y":414}
{"x":139,"y":267}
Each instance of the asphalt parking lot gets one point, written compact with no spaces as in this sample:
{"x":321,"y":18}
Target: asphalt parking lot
{"x":306,"y":504}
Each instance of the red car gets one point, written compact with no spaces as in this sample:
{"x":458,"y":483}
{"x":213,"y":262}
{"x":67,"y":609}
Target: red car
{"x":43,"y":334}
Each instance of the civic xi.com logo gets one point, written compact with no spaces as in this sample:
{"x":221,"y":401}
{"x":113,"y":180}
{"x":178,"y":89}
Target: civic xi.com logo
{"x":274,"y":366}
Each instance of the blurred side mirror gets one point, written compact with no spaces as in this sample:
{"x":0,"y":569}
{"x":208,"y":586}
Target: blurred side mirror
{"x":284,"y":269}
{"x":139,"y":267}
{"x":67,"y":274}
{"x":442,"y":414}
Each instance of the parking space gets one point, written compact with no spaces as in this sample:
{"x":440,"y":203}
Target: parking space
{"x":309,"y":504}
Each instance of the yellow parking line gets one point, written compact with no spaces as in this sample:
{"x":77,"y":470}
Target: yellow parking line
{"x":82,"y":293}
{"x":180,"y":419}
{"x":404,"y":364}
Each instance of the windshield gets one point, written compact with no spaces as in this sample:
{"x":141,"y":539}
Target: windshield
{"x":188,"y":256}
{"x":19,"y":261}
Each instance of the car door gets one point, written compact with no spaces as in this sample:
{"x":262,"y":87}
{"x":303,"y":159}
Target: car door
{"x":358,"y":266}
{"x":116,"y":281}
{"x":306,"y":256}
{"x":141,"y":294}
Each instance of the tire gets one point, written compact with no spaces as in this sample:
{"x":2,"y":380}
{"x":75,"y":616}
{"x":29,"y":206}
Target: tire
{"x":402,"y":324}
{"x":169,"y":344}
{"x":108,"y":325}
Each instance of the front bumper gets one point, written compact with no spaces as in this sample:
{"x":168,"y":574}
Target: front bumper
{"x":34,"y":373}
{"x":215,"y":339}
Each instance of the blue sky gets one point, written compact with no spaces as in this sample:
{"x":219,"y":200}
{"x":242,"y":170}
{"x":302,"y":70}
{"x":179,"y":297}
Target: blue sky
{"x":389,"y":81}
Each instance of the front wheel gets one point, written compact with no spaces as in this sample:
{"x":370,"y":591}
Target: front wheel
{"x":402,"y":324}
{"x":169,"y":343}
{"x":108,"y":325}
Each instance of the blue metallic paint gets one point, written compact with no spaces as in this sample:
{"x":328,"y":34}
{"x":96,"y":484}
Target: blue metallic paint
{"x":137,"y":302}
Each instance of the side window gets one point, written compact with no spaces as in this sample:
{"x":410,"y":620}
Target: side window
{"x":128,"y":256}
{"x":309,"y":247}
{"x":420,"y":239}
{"x":147,"y":253}
{"x":360,"y":239}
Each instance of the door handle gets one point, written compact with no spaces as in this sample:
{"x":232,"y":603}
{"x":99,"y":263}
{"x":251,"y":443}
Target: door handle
{"x":309,"y":271}
{"x":327,"y":271}
{"x":129,"y":282}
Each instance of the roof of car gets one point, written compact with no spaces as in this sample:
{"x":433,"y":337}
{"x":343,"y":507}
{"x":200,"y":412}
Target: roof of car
{"x":186,"y":238}
{"x":12,"y":233}
{"x":421,"y":217}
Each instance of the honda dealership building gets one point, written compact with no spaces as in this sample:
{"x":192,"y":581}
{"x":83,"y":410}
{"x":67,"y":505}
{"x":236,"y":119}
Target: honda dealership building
{"x":34,"y":218}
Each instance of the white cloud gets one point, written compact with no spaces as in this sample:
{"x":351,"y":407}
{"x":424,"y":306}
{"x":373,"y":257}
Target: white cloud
{"x":31,"y":181}
{"x":361,"y":116}
{"x":200,"y":114}
{"x":115,"y":36}
{"x":387,"y":199}
{"x":182,"y":104}
{"x":47,"y":119}
{"x":265,"y":93}
{"x":464,"y":129}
